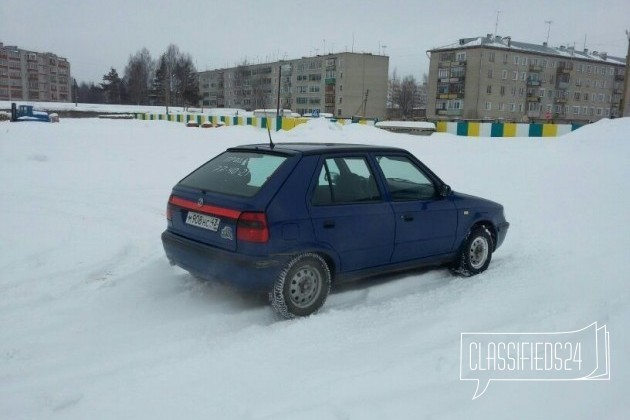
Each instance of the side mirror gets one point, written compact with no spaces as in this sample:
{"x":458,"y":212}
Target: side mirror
{"x":445,"y":190}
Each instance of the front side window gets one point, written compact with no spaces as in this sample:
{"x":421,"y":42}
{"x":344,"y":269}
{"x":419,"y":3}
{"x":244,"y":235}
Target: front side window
{"x":344,"y":180}
{"x":234,"y":173}
{"x":406,"y":182}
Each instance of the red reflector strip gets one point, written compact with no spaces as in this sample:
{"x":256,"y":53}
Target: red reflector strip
{"x":214,"y":210}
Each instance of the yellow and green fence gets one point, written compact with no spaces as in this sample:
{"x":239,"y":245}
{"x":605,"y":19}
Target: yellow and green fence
{"x":501,"y":129}
{"x":459,"y":128}
{"x":274,"y":123}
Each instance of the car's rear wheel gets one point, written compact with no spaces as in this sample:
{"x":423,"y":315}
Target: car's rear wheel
{"x":302,"y":286}
{"x":475,"y":253}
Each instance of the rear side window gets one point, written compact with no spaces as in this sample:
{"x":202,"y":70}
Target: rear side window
{"x":234,"y":173}
{"x":344,"y":180}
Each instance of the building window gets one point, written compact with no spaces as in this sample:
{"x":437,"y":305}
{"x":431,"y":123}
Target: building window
{"x":584,"y":110}
{"x":516,"y":59}
{"x":502,"y":90}
{"x":502,"y":107}
{"x":504,"y":74}
{"x":488,"y":106}
{"x":505,"y":58}
{"x":490,"y":73}
{"x":541,"y":93}
{"x":515,"y":75}
{"x":576,"y":110}
{"x":489,"y":89}
{"x":461,"y":56}
{"x":491,"y":56}
{"x":442,"y":73}
{"x":512,"y":107}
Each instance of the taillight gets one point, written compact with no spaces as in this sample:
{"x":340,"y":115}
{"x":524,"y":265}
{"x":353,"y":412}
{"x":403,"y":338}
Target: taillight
{"x":169,"y":209}
{"x":252,"y":227}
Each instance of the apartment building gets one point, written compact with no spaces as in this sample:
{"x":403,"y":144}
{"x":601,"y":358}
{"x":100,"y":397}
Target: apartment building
{"x":343,"y":84}
{"x":496,"y":78}
{"x":32,"y":76}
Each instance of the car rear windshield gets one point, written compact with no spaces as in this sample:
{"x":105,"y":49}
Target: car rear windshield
{"x":234,"y":173}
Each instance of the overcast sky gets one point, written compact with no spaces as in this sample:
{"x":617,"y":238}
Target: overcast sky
{"x":96,"y":35}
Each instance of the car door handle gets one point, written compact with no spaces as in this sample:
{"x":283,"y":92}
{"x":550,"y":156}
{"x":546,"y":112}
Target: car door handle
{"x":407,"y":217}
{"x":329,"y":224}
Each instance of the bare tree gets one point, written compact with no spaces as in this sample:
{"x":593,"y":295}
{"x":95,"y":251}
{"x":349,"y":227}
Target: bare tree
{"x":407,"y":96}
{"x":175,"y":81}
{"x":138,"y":76}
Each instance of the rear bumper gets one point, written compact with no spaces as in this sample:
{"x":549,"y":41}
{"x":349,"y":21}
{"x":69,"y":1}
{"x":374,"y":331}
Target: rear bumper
{"x":502,"y":229}
{"x":245,"y":272}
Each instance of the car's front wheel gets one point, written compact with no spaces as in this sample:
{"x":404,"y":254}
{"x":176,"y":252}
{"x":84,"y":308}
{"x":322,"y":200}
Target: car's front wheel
{"x":475,"y":253}
{"x":302,"y":286}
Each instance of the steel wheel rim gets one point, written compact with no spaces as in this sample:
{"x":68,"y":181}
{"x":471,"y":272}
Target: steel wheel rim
{"x":478,"y":252}
{"x":305,"y":286}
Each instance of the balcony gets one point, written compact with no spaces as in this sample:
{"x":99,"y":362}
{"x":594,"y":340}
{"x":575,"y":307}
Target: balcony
{"x":531,"y":82}
{"x":560,"y":100}
{"x":562,"y":85}
{"x":449,"y":112}
{"x":535,"y":68}
{"x":330,"y":81}
{"x":532,"y":98}
{"x":451,"y":95}
{"x":564,"y":70}
{"x":619,"y":77}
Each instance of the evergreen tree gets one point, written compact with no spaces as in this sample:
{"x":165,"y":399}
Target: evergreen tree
{"x":111,"y":86}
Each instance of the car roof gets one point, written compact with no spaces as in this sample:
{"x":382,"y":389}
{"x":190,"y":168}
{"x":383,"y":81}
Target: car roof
{"x":316,"y":148}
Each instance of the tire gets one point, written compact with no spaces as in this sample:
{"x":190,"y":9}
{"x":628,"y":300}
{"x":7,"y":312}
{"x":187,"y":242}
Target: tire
{"x":475,"y":253}
{"x":302,"y":286}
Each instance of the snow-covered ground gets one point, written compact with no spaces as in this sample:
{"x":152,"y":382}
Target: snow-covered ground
{"x":94,"y":323}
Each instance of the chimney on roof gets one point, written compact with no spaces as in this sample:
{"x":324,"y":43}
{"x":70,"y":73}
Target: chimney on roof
{"x":509,"y":41}
{"x":462,"y":41}
{"x":489,"y":36}
{"x":562,"y":48}
{"x":603,"y":55}
{"x":585,"y":50}
{"x":545,"y":44}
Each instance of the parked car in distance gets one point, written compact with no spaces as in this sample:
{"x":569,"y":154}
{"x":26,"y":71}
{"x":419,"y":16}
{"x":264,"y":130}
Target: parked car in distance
{"x":292,"y":219}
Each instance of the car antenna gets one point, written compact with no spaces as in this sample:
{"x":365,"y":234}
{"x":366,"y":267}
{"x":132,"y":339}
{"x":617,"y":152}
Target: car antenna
{"x":271,"y":145}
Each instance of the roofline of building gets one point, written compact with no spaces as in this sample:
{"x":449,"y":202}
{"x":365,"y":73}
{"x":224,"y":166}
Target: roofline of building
{"x":296,"y":59}
{"x":505,"y":43}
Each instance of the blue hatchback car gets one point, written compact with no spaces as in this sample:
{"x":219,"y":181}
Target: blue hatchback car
{"x":292,"y":219}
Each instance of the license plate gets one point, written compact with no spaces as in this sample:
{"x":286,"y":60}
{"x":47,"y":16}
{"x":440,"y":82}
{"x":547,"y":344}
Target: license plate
{"x":203,"y":221}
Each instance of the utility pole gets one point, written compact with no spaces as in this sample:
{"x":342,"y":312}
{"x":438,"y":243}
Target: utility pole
{"x":279,"y":83}
{"x":625,"y":109}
